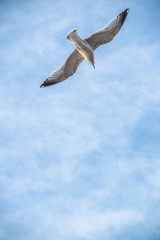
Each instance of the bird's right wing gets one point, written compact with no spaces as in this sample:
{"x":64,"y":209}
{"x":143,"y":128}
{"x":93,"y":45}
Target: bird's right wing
{"x":68,"y":68}
{"x":107,"y":34}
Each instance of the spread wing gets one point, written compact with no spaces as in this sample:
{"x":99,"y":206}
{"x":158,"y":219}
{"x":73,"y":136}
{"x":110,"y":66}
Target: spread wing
{"x":68,"y":68}
{"x":97,"y":39}
{"x":107,"y":34}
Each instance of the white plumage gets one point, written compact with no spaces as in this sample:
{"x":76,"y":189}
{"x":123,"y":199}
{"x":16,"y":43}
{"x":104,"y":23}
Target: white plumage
{"x":84,"y":48}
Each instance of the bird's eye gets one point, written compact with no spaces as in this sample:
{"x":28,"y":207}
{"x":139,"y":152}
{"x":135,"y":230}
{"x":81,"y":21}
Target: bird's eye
{"x":74,"y":30}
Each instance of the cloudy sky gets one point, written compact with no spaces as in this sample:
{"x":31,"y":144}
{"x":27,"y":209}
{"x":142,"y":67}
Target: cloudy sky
{"x":81,"y":159}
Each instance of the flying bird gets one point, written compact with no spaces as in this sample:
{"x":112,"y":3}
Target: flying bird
{"x":84,"y":49}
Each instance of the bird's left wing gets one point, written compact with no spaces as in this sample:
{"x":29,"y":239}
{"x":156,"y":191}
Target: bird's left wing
{"x":68,"y":68}
{"x":107,"y":34}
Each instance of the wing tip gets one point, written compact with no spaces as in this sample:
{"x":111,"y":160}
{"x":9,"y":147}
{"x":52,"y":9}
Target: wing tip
{"x":44,"y":84}
{"x":47,"y":83}
{"x":123,"y":15}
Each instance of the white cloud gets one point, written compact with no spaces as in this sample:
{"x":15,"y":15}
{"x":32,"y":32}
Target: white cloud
{"x":68,"y":164}
{"x":84,"y":222}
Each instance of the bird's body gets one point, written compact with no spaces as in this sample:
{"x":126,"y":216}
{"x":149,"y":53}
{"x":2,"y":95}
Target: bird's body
{"x":82,"y":46}
{"x":84,"y":49}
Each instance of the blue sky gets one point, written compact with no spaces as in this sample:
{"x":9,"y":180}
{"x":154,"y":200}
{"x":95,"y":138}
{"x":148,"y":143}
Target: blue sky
{"x":81,"y":159}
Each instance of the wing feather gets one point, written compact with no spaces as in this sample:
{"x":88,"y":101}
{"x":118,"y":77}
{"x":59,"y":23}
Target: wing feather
{"x":68,"y":68}
{"x":97,"y":39}
{"x":107,"y":34}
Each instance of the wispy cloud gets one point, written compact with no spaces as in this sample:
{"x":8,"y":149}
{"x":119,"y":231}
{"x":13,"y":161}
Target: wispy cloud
{"x":80,"y":159}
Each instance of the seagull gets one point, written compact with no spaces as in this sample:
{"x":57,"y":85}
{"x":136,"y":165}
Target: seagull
{"x":84,"y":49}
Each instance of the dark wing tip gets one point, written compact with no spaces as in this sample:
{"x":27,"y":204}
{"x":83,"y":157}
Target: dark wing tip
{"x":47,"y":83}
{"x":123,"y":15}
{"x":42,"y":85}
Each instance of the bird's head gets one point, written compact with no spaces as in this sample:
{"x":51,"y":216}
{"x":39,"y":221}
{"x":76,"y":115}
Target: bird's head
{"x":72,"y":34}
